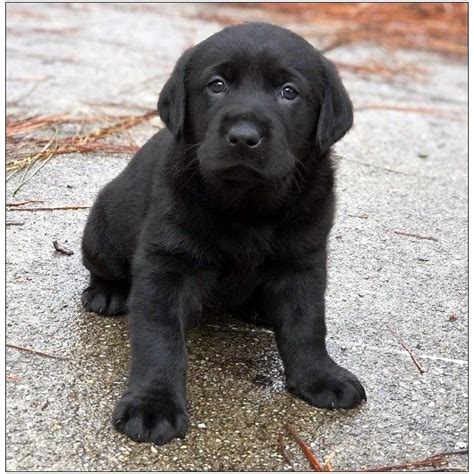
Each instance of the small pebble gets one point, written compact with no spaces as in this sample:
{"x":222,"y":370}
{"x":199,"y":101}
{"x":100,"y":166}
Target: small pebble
{"x":202,"y":425}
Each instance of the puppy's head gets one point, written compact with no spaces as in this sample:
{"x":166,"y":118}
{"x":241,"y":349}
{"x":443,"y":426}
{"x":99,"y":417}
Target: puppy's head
{"x":255,"y":99}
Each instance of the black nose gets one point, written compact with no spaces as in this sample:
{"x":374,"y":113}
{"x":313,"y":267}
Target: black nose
{"x":244,"y":134}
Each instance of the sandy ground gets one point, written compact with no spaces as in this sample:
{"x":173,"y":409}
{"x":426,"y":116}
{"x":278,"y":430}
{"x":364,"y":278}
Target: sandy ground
{"x":399,"y":172}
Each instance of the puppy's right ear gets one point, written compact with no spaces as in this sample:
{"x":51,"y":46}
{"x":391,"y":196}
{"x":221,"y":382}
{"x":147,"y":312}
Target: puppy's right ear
{"x":172,"y":101}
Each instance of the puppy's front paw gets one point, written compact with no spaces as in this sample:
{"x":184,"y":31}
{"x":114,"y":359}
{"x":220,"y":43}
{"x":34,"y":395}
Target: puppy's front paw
{"x":329,"y":386}
{"x":150,"y":418}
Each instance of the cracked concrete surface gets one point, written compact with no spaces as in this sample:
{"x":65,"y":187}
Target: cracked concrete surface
{"x":398,"y":173}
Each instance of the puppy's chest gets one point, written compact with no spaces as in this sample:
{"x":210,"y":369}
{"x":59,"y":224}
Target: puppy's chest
{"x":242,"y":249}
{"x":241,"y":256}
{"x":234,"y":282}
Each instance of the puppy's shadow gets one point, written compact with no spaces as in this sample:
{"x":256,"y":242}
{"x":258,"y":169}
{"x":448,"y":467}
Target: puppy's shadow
{"x":238,"y":346}
{"x":227,"y":348}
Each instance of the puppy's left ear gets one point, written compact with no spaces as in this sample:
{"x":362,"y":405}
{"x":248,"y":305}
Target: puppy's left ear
{"x":172,"y":101}
{"x":335,"y":117}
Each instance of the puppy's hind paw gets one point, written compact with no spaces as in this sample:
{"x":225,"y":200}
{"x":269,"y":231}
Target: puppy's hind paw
{"x":106,"y":299}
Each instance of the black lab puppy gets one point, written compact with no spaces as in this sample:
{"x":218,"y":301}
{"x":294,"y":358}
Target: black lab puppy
{"x":232,"y":204}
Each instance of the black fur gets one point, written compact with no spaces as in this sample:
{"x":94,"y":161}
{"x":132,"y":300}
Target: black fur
{"x":232,"y":204}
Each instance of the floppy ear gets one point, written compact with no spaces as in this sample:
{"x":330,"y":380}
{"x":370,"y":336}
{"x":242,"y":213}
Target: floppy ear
{"x":335,"y":117}
{"x":172,"y":101}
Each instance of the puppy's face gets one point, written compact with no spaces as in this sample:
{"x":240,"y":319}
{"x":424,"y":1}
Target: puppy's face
{"x":254,"y":99}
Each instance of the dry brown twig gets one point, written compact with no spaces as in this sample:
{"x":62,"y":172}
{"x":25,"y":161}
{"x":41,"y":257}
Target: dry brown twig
{"x":33,"y":351}
{"x":307,"y":451}
{"x":284,"y":453}
{"x":416,"y":236}
{"x":29,"y":124}
{"x":22,"y":203}
{"x":53,"y":208}
{"x":370,"y":165}
{"x":435,"y":461}
{"x":62,"y":249}
{"x":402,"y":343}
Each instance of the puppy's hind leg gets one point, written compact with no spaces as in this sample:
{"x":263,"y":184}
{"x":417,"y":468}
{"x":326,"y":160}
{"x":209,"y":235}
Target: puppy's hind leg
{"x":106,"y":297}
{"x":109,"y":285}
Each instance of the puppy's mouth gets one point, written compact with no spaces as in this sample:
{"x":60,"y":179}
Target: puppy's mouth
{"x":239,"y":174}
{"x":244,"y":171}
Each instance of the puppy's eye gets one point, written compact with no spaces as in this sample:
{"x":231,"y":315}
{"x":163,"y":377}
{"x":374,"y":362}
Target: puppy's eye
{"x":289,"y":93}
{"x":217,"y":86}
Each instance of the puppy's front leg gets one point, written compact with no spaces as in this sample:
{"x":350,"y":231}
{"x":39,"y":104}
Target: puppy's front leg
{"x":295,"y":303}
{"x":153,"y":408}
